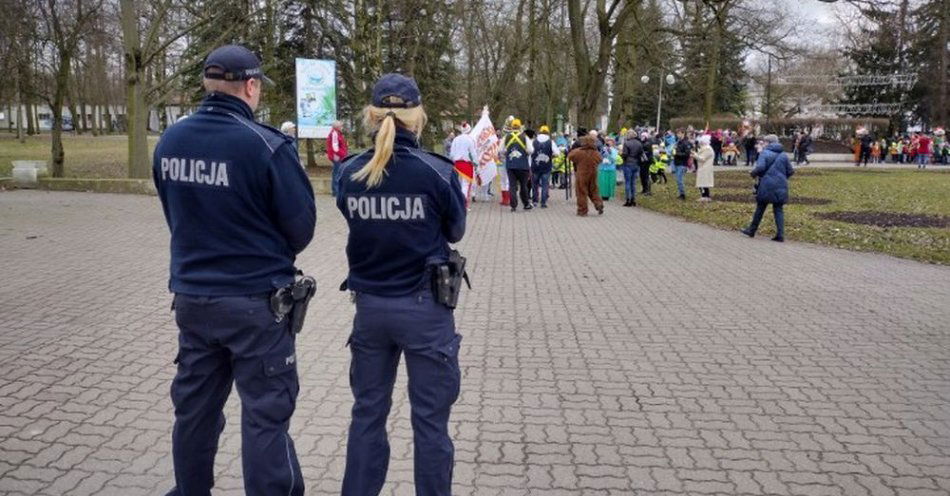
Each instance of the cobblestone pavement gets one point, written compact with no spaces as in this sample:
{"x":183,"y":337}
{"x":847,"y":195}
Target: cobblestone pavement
{"x":626,"y":354}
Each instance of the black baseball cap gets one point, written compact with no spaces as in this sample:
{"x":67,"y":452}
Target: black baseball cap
{"x":396,"y":91}
{"x":234,"y":63}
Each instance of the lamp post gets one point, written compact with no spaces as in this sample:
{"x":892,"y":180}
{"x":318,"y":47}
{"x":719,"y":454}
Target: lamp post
{"x":659,"y":98}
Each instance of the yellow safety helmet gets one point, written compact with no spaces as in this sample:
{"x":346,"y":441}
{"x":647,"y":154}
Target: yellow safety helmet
{"x":516,"y":123}
{"x":544,"y":129}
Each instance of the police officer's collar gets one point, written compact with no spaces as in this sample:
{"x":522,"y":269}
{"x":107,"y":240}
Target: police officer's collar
{"x":226,"y":102}
{"x":406,"y":137}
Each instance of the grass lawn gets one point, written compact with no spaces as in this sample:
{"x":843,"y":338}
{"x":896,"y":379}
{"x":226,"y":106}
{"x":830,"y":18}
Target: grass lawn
{"x":90,"y":157}
{"x":86,"y":156}
{"x":924,"y":195}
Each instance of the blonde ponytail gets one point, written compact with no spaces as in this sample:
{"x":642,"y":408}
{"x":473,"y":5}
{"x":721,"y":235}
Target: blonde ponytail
{"x":384,"y":122}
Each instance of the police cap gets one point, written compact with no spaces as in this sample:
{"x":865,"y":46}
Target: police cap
{"x":234,"y":63}
{"x":396,"y":91}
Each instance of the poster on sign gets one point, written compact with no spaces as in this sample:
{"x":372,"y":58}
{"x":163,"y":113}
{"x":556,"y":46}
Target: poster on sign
{"x":316,"y":97}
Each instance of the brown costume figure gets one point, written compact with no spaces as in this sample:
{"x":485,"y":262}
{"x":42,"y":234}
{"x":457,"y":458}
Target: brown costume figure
{"x":585,"y":160}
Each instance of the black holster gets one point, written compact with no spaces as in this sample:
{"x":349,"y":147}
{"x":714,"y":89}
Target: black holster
{"x":447,"y":279}
{"x":293,"y":301}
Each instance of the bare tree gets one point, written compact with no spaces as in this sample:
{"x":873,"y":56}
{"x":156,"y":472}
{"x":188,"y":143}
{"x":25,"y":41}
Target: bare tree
{"x":591,"y":74}
{"x":66,"y":22}
{"x":143,"y":51}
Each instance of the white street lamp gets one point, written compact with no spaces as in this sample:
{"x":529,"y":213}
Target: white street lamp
{"x":659,"y":98}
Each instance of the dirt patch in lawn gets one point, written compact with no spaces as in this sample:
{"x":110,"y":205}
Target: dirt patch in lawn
{"x":750,"y":198}
{"x":887,"y":219}
{"x":734,"y":183}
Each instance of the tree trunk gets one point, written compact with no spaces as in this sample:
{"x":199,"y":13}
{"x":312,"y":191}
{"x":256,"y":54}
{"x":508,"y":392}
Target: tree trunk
{"x":625,"y":82}
{"x":102,"y":93}
{"x":311,"y":155}
{"x":593,"y":86}
{"x":531,"y":112}
{"x":94,"y":122}
{"x":73,"y":114}
{"x":590,"y":76}
{"x":19,"y":121}
{"x":84,"y":118}
{"x":943,"y":44}
{"x":136,"y":111}
{"x":500,"y":94}
{"x":136,"y":116}
{"x":25,"y":86}
{"x":61,"y":83}
{"x":712,"y":71}
{"x":162,"y":113}
{"x":32,"y":126}
{"x":110,"y":128}
{"x":81,"y":100}
{"x":468,"y":10}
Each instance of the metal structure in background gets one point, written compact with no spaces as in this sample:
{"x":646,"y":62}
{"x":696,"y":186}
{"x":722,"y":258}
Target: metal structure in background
{"x":832,"y":81}
{"x":902,"y":81}
{"x":858,"y":108}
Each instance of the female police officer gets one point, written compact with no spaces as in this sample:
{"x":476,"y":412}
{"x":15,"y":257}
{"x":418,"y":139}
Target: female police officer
{"x":403,"y":206}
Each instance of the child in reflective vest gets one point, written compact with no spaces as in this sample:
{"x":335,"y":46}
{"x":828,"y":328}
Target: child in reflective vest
{"x":557,"y":170}
{"x":658,"y":167}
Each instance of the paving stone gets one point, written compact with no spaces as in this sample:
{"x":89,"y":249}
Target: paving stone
{"x":717,"y":365}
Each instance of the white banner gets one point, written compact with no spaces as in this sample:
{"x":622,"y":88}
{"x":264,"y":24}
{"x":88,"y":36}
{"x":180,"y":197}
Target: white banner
{"x":316,"y":97}
{"x":486,"y":147}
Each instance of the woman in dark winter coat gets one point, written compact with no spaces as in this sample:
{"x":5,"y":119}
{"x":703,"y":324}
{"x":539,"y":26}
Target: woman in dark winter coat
{"x":772,"y":171}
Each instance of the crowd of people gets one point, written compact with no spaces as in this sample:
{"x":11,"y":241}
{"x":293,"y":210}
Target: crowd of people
{"x":639,"y":158}
{"x":531,"y":163}
{"x":918,"y":148}
{"x":591,"y":163}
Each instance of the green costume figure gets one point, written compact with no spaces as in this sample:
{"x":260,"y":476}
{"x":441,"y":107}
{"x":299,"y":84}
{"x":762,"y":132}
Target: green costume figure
{"x":607,"y":172}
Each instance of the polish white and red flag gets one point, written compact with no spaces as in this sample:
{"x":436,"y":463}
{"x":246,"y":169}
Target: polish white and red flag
{"x":486,"y":148}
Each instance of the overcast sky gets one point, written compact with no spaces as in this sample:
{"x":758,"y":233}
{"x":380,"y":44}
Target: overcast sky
{"x":818,"y":17}
{"x":816,"y":22}
{"x":821,"y":13}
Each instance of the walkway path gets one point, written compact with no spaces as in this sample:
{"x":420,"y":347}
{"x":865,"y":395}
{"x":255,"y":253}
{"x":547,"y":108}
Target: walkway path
{"x":626,"y":354}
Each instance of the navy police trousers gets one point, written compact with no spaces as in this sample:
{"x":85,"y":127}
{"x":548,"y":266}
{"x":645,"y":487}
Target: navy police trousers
{"x":224,"y":340}
{"x":424,"y":331}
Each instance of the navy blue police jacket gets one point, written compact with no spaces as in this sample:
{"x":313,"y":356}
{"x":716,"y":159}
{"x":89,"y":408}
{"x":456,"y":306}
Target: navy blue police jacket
{"x":238,"y":204}
{"x":405,"y":223}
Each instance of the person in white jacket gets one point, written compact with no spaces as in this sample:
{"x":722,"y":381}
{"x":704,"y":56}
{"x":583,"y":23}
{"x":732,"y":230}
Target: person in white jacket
{"x":704,"y":158}
{"x":464,"y":155}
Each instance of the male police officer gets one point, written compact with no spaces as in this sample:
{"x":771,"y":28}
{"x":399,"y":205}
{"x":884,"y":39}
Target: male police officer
{"x":240,"y":208}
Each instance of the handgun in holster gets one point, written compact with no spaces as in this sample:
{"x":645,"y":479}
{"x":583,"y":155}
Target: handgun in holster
{"x":293,"y":301}
{"x":447,"y":279}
